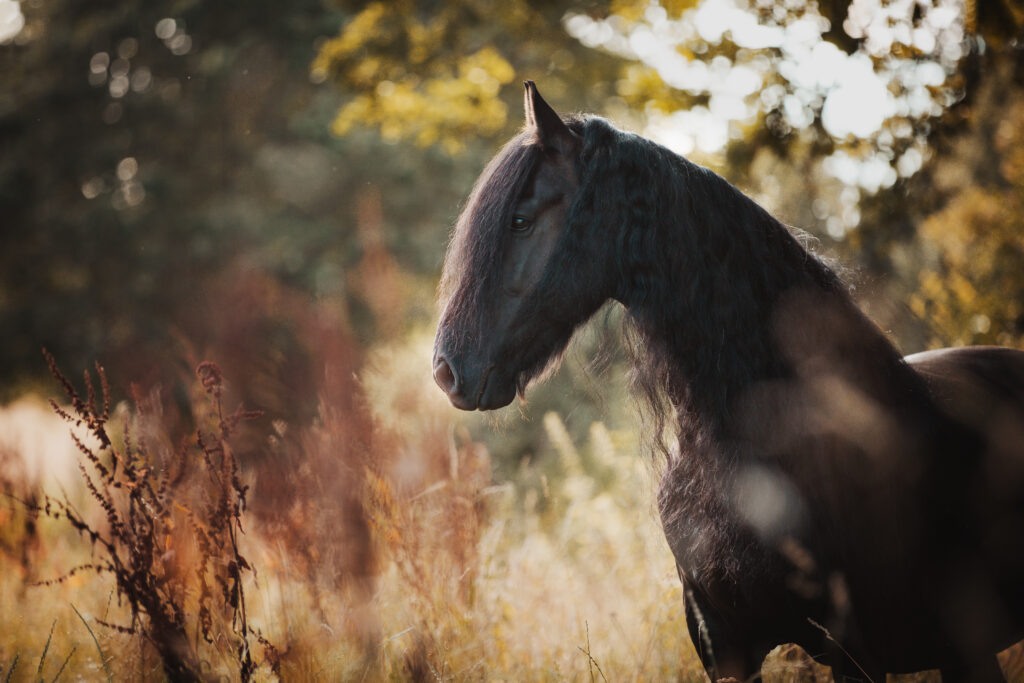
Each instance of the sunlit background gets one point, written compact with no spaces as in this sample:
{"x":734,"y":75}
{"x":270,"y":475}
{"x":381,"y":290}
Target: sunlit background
{"x":270,"y":186}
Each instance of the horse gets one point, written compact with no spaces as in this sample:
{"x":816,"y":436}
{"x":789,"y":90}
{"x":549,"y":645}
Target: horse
{"x":823,"y":490}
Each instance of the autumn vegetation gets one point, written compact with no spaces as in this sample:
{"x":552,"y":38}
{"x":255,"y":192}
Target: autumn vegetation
{"x":232,"y":221}
{"x":395,"y":558}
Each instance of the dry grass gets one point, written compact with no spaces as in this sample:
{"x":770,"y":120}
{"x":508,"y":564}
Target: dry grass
{"x":168,"y":534}
{"x":393,"y":554}
{"x":376,"y":547}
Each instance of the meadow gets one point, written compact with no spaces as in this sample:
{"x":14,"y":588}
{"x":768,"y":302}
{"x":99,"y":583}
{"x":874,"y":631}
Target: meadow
{"x":438,"y":572}
{"x":374,"y":543}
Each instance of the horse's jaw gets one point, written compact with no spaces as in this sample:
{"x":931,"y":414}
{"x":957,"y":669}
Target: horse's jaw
{"x":495,"y":395}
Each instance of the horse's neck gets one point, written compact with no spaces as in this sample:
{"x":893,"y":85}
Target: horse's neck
{"x":764,"y":314}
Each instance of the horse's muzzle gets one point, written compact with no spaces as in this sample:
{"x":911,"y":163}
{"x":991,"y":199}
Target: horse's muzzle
{"x":470,"y":393}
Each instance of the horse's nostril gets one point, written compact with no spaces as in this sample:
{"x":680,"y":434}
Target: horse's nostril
{"x":445,"y":376}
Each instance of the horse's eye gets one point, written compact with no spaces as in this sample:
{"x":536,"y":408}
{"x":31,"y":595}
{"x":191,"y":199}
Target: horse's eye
{"x":521,"y":225}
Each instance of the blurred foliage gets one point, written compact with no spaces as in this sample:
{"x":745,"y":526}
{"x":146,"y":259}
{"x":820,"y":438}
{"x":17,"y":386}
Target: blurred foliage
{"x":375,"y":52}
{"x":156,"y":152}
{"x":972,"y":288}
{"x":185,"y":180}
{"x":432,"y":72}
{"x":429,"y":72}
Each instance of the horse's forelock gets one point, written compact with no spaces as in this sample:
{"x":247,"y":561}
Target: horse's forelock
{"x":473,"y":261}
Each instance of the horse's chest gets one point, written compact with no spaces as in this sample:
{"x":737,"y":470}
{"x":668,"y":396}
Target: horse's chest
{"x":715,"y":548}
{"x":699,"y":524}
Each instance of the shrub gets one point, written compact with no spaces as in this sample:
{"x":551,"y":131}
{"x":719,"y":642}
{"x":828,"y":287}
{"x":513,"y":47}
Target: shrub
{"x":170,"y":527}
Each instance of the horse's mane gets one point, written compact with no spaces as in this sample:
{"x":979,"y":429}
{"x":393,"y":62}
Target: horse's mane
{"x":722,"y":301}
{"x":728,"y":261}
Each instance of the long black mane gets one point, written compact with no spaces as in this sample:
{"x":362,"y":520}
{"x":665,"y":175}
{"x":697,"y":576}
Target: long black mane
{"x":707,"y":269}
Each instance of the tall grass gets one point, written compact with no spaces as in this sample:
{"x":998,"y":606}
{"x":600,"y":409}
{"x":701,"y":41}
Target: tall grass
{"x":376,"y":546}
{"x":368,"y":543}
{"x":169,"y":532}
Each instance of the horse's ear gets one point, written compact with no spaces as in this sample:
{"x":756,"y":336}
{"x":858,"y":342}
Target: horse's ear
{"x":551,"y":130}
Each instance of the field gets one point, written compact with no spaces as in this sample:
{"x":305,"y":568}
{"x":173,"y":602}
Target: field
{"x":397,"y":557}
{"x":374,"y":543}
{"x":371,"y":544}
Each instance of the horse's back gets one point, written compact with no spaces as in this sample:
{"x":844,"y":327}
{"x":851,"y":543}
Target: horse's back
{"x":982,"y":387}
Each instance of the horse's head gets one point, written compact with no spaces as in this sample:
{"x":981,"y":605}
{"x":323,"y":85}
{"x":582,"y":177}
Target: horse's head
{"x":520,"y":274}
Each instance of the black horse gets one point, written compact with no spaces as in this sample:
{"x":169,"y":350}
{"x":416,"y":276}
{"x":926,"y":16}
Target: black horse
{"x":825,"y":491}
